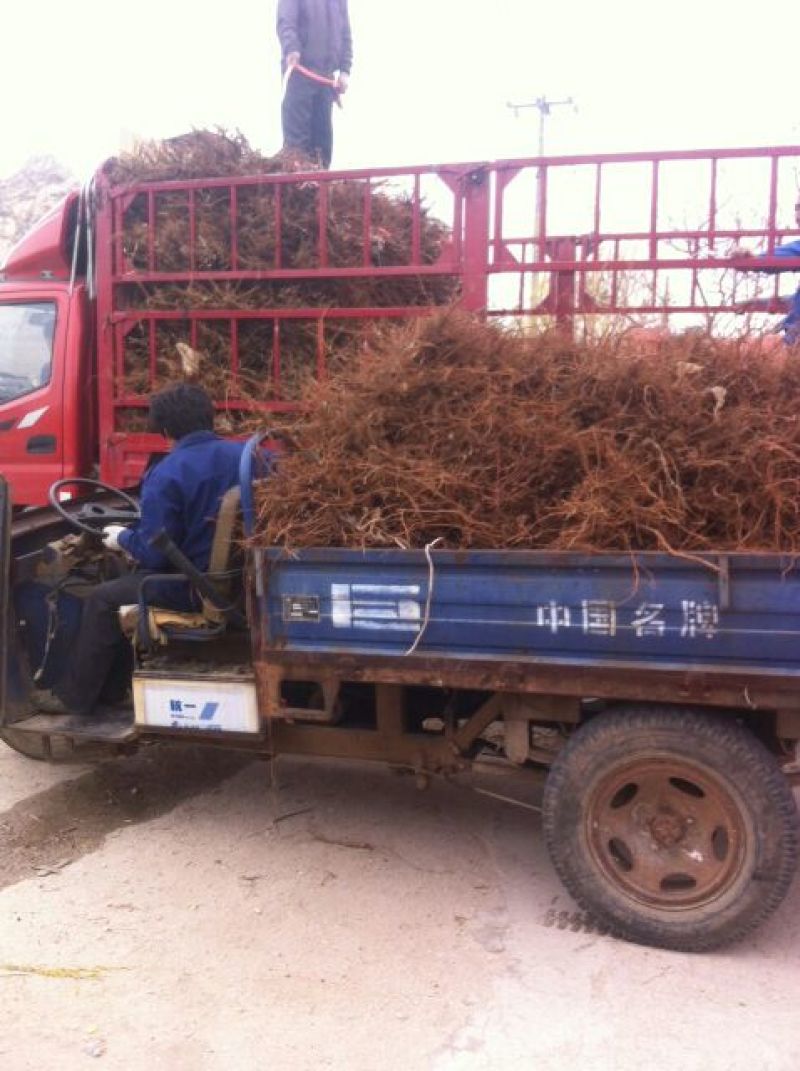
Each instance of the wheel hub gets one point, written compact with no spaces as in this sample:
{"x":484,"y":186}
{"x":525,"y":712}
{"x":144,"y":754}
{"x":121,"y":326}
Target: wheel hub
{"x":665,"y":831}
{"x":668,"y":829}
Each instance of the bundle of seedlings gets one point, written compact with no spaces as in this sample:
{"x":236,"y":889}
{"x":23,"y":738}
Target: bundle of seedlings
{"x":455,"y":430}
{"x":275,"y":227}
{"x":261,"y":374}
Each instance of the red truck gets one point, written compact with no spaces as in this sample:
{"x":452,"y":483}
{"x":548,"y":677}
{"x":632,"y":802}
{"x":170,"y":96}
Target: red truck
{"x":671,"y":733}
{"x":562,"y":237}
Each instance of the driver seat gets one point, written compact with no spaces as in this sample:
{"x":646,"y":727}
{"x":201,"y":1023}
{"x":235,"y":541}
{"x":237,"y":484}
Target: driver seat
{"x":219,"y":590}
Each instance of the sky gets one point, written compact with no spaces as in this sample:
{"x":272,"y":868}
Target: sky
{"x":431,"y":80}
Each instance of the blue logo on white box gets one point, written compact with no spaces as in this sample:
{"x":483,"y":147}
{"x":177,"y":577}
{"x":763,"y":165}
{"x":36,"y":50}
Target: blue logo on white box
{"x":180,"y":706}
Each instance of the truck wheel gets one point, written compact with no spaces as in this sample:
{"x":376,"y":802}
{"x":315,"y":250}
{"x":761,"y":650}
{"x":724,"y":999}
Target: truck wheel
{"x":671,"y":827}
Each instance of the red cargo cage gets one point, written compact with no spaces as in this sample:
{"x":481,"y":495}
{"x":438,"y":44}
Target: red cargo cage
{"x":590,"y":243}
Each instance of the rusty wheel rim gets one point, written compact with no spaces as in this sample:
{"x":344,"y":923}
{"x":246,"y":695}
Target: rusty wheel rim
{"x":669,"y":834}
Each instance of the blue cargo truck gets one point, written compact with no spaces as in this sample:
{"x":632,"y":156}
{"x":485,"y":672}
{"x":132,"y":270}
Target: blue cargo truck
{"x":660,"y":694}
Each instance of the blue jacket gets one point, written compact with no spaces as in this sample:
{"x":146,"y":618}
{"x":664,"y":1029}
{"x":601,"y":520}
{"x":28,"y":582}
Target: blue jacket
{"x":182,"y":495}
{"x":791,"y":325}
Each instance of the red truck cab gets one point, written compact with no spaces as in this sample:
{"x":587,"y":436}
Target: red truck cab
{"x":47,"y":378}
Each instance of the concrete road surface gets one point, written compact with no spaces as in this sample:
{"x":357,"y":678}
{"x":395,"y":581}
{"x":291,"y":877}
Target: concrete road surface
{"x":173,"y":912}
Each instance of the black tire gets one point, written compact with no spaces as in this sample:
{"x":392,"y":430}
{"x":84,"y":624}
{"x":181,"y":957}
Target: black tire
{"x":674,"y":828}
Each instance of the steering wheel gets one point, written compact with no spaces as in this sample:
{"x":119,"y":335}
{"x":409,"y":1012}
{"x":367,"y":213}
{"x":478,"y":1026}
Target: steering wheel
{"x":93,"y":516}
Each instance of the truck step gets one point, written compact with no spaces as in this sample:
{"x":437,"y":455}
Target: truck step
{"x":110,"y":725}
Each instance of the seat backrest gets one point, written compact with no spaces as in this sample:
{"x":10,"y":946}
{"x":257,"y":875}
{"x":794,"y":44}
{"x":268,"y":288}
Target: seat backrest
{"x":224,"y":533}
{"x":223,"y":546}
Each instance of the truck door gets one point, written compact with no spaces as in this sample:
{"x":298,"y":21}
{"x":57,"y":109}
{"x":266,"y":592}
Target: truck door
{"x":32,"y":340}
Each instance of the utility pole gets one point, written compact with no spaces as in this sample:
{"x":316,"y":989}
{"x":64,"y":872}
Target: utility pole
{"x":544,"y":106}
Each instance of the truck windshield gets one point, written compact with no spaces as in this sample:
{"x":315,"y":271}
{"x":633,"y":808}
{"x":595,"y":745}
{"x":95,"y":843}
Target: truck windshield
{"x":26,"y":347}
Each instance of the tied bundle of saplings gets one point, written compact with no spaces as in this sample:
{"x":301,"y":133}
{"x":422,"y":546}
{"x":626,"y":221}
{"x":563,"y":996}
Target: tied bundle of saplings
{"x":356,"y":211}
{"x":242,"y":390}
{"x":179,"y":245}
{"x":456,"y":430}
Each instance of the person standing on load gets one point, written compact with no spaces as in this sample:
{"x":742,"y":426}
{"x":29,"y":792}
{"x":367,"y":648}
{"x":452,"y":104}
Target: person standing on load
{"x":316,"y":57}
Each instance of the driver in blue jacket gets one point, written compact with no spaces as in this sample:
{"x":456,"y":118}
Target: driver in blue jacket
{"x":181,"y":495}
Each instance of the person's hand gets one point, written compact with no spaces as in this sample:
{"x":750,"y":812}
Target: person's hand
{"x":740,"y":251}
{"x":342,"y":81}
{"x":111,"y":534}
{"x":292,"y":60}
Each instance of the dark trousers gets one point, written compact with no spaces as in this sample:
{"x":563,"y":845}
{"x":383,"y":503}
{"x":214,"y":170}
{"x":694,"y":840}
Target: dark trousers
{"x":306,"y":118}
{"x":102,"y":662}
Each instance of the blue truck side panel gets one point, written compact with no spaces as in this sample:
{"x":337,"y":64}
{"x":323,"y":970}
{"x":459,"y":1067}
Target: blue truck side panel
{"x":649,"y":610}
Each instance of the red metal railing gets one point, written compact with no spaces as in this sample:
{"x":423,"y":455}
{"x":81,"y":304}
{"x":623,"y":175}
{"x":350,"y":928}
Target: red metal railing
{"x":641,"y":238}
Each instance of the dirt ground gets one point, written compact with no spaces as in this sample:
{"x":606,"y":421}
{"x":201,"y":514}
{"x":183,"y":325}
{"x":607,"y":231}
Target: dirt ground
{"x":173,"y":911}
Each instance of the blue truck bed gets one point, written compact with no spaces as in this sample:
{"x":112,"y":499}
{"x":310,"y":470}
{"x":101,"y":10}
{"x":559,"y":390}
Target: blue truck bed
{"x":648,"y":612}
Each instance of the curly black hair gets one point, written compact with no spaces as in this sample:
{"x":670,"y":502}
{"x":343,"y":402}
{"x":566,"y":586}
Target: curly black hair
{"x":180,"y":410}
